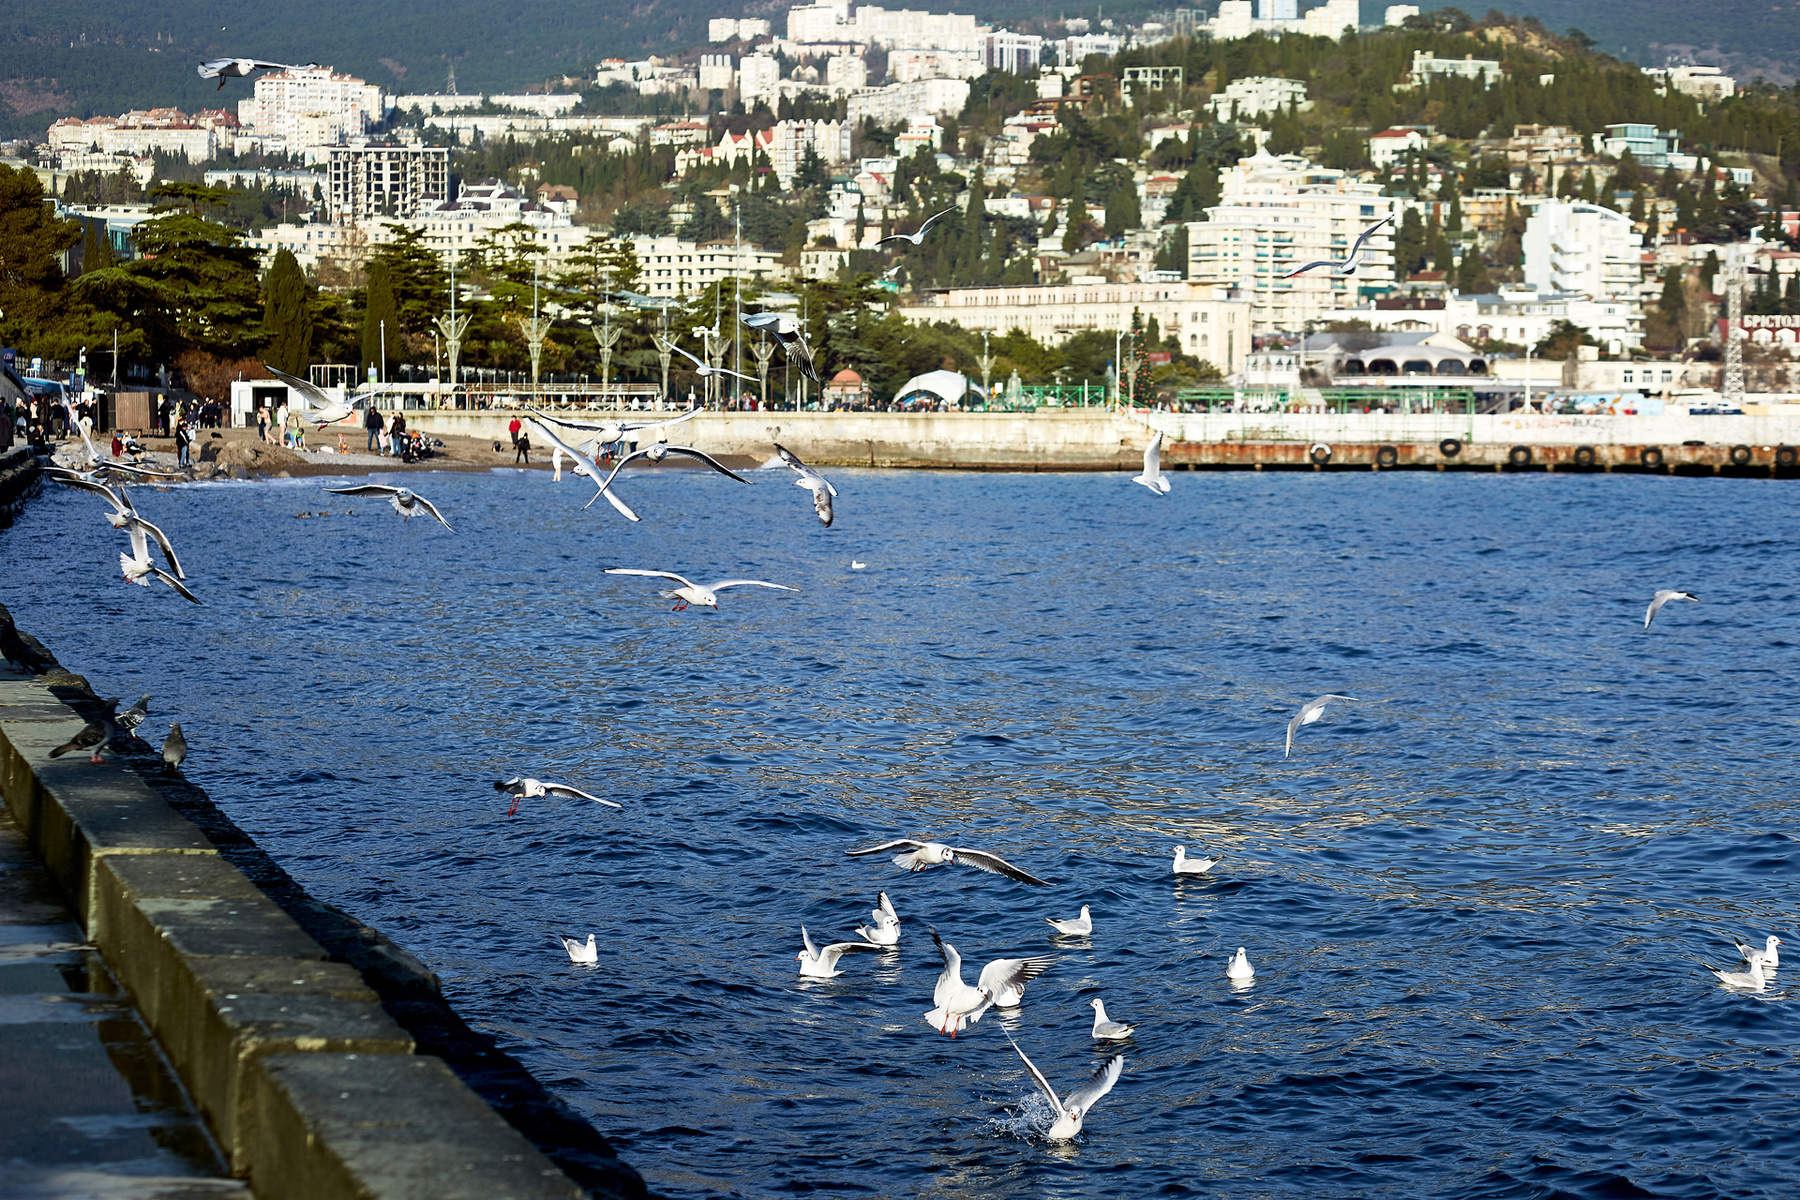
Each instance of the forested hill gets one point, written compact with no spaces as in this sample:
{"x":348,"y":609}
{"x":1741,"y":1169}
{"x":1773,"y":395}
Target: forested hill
{"x":83,"y":57}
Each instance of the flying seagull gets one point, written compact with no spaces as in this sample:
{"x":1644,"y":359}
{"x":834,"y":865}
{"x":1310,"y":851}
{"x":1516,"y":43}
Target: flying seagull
{"x":1072,"y":1109}
{"x":119,"y":499}
{"x":579,"y":952}
{"x":1079,"y":926}
{"x":137,"y":568}
{"x":1192,"y":866}
{"x":404,"y":500}
{"x":1348,"y":265}
{"x":884,"y":929}
{"x":522,"y":788}
{"x":917,"y":239}
{"x":955,"y":1005}
{"x":1663,"y":597}
{"x":692,"y":593}
{"x":225,"y":69}
{"x":701,"y":368}
{"x":586,"y":465}
{"x":1005,"y":978}
{"x":1769,"y":956}
{"x":1311,"y":711}
{"x":812,"y":481}
{"x":322,"y":410}
{"x":791,"y":333}
{"x":1152,"y":477}
{"x":1106,"y":1030}
{"x":920,"y":856}
{"x":656,"y":452}
{"x":141,"y":530}
{"x":821,"y":963}
{"x":94,"y":736}
{"x":174,"y":748}
{"x":608,"y":432}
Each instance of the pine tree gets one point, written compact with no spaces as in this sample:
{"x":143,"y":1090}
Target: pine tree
{"x":381,"y":322}
{"x":287,"y":315}
{"x":90,"y":247}
{"x":1141,"y":386}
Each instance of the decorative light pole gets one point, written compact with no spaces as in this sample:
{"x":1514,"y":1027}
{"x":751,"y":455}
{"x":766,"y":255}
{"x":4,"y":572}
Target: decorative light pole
{"x":453,"y":327}
{"x":663,"y":353}
{"x":537,"y":332}
{"x":986,"y":363}
{"x":764,"y":350}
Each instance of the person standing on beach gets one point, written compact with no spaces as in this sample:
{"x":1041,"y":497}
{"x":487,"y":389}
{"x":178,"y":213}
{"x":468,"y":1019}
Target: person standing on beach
{"x":513,"y":429}
{"x":262,"y":422}
{"x":397,"y":432}
{"x":522,"y":449}
{"x":183,"y":440}
{"x":373,"y":424}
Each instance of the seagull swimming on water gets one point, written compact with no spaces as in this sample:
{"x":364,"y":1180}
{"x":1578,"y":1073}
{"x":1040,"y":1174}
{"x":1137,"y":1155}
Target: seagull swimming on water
{"x":820,"y":487}
{"x":1309,"y":712}
{"x":693,"y":593}
{"x":1191,"y":866}
{"x":821,"y":963}
{"x":1752,"y":980}
{"x":522,"y":788}
{"x":1663,"y":597}
{"x":1239,"y":969}
{"x":918,"y":238}
{"x":1106,"y":1030}
{"x":404,"y":500}
{"x":1073,"y":1109}
{"x":1348,"y":264}
{"x":920,"y":856}
{"x":226,"y":69}
{"x":1152,"y":477}
{"x":884,"y":926}
{"x":1768,"y":956}
{"x":579,"y":952}
{"x":1077,"y":927}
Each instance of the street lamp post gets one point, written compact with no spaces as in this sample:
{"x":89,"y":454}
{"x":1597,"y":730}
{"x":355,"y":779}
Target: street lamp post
{"x":764,"y":350}
{"x":453,"y":327}
{"x":986,"y":363}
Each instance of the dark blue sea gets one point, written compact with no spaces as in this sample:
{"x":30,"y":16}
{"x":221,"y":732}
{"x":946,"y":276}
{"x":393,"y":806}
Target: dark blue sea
{"x":1477,"y":898}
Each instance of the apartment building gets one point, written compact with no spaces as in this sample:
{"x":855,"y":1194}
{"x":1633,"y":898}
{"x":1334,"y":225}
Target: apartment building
{"x":1255,"y":95}
{"x":308,"y":107}
{"x":385,"y":179}
{"x":672,"y":266}
{"x":893,"y":104}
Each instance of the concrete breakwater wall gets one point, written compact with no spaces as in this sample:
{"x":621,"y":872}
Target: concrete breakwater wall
{"x":1097,"y":439}
{"x":20,"y":479}
{"x":322,"y":1056}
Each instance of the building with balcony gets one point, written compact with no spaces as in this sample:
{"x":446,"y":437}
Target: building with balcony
{"x":1426,"y":67}
{"x":310,"y":107}
{"x":1574,"y":246}
{"x":385,"y":180}
{"x":1255,"y":95}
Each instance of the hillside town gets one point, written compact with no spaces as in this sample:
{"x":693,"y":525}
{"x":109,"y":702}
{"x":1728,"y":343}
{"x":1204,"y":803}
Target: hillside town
{"x":1122,"y":209}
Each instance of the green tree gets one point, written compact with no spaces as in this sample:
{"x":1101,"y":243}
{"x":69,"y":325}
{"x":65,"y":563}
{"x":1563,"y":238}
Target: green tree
{"x":287,"y":315}
{"x":1141,"y":386}
{"x":420,"y":284}
{"x":381,"y":328}
{"x":1123,"y":212}
{"x":32,"y":240}
{"x":1472,"y":275}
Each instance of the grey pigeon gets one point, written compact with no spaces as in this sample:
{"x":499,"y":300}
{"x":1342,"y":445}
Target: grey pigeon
{"x":95,"y":735}
{"x":174,"y":747}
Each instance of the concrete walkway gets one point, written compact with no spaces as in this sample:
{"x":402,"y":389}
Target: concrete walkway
{"x":88,"y":1105}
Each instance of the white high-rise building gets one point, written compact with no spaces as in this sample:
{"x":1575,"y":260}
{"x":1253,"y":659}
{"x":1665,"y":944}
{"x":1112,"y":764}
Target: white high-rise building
{"x":1330,"y":18}
{"x":818,"y":22}
{"x":898,"y":102}
{"x":830,"y":140}
{"x":1574,"y":246}
{"x":1275,"y":214}
{"x":1255,"y":95}
{"x":386,"y":180}
{"x":715,"y":72}
{"x":1277,"y":10}
{"x":846,"y":73}
{"x":310,"y":103}
{"x":758,"y":75}
{"x":1003,"y":50}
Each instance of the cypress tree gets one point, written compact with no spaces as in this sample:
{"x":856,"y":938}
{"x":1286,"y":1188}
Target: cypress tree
{"x":90,"y":247}
{"x":287,"y":315}
{"x":379,"y":308}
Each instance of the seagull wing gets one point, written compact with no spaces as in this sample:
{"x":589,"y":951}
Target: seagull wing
{"x":790,"y":458}
{"x":689,"y":415}
{"x":706,"y":458}
{"x":830,"y":954}
{"x":174,"y":583}
{"x":515,"y":786}
{"x":1004,"y":974}
{"x":99,"y":489}
{"x":739,"y":374}
{"x":563,"y":789}
{"x":620,"y":465}
{"x":822,"y":504}
{"x":812,"y":951}
{"x":650,"y":574}
{"x":887,"y":909}
{"x":139,"y":527}
{"x":1365,"y":235}
{"x":1293,"y":725}
{"x":211,"y":67}
{"x":1098,"y":1084}
{"x":762,"y":320}
{"x":365,"y":489}
{"x":614,"y":499}
{"x":929,"y":221}
{"x":981,"y":860}
{"x":432,"y":509}
{"x":896,"y":237}
{"x":579,"y":425}
{"x":896,"y":844}
{"x":1043,"y":1084}
{"x":729,"y":583}
{"x":1323,"y":262}
{"x":1153,"y":456}
{"x":316,"y":396}
{"x":680,"y":351}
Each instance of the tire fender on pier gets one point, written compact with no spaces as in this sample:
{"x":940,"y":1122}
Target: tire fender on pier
{"x":1786,"y":456}
{"x":1320,"y":453}
{"x":1449,"y":447}
{"x":1519,"y":456}
{"x":1740,"y":456}
{"x":1387,"y":456}
{"x":1651,"y":457}
{"x":1584,"y":456}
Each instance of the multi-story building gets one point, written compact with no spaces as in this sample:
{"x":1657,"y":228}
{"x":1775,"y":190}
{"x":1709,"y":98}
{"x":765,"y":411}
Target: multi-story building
{"x":1574,"y":246}
{"x":909,"y":66}
{"x":1652,"y":147}
{"x":1003,"y":50}
{"x":307,"y":107}
{"x":898,"y":101}
{"x":727,"y":29}
{"x":481,"y":209}
{"x":846,"y":73}
{"x":1277,"y":10}
{"x":672,"y":266}
{"x":716,"y":71}
{"x":1426,"y":67}
{"x":1536,"y":146}
{"x":757,"y":76}
{"x":1702,"y":83}
{"x":1074,"y":50}
{"x":789,"y":140}
{"x":1255,"y":95}
{"x":544,"y":104}
{"x":1212,"y":323}
{"x":1519,"y":316}
{"x":1276,"y":214}
{"x":386,"y":179}
{"x":141,"y":133}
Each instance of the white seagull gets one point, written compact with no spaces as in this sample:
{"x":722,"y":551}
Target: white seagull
{"x":120,"y":499}
{"x":1768,"y":956}
{"x":692,"y":593}
{"x":578,"y":951}
{"x":812,"y":481}
{"x":701,"y":368}
{"x":1005,"y":978}
{"x":226,"y":69}
{"x":955,"y":1005}
{"x":884,"y":926}
{"x":917,"y":239}
{"x":1348,"y":265}
{"x":817,"y":963}
{"x":404,"y":500}
{"x":522,"y":788}
{"x":137,"y":568}
{"x":1072,"y":1109}
{"x":920,"y":856}
{"x":1077,"y":927}
{"x":322,"y":410}
{"x":1239,"y":969}
{"x":1751,"y":980}
{"x":791,"y":333}
{"x":1106,"y":1030}
{"x":1309,"y":712}
{"x":588,"y":466}
{"x":1152,"y":477}
{"x":608,"y":432}
{"x":655,"y":452}
{"x":1192,"y":866}
{"x":1663,"y":597}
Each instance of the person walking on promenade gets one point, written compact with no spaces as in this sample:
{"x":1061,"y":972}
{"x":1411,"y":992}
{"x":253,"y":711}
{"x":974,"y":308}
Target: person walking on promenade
{"x":372,"y":423}
{"x":397,"y":432}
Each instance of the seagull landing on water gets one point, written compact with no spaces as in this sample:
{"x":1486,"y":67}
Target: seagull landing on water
{"x":1106,"y":1030}
{"x":1663,"y":597}
{"x":522,"y":788}
{"x":955,"y":1005}
{"x":404,"y":500}
{"x":1073,"y":1109}
{"x":1768,"y":956}
{"x":1309,"y":712}
{"x":821,"y":962}
{"x":692,"y":593}
{"x":1191,"y":866}
{"x":1348,"y":264}
{"x":1752,"y":980}
{"x":921,"y":856}
{"x":1152,"y":477}
{"x":918,"y":238}
{"x":227,"y":69}
{"x":579,"y":952}
{"x":820,"y":487}
{"x":884,"y":926}
{"x":1078,"y":927}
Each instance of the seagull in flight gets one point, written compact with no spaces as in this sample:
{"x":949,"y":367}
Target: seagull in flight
{"x":1077,"y":927}
{"x":917,"y":239}
{"x":322,"y":410}
{"x":608,"y":432}
{"x":137,"y":568}
{"x":1073,"y":1109}
{"x":692,"y":593}
{"x":884,"y":927}
{"x":1192,"y":866}
{"x":1152,"y":477}
{"x":955,"y":1005}
{"x":1106,"y":1030}
{"x":1311,"y":711}
{"x":404,"y":500}
{"x":586,"y":465}
{"x":701,"y":368}
{"x":790,"y":331}
{"x":921,"y":856}
{"x":817,"y":963}
{"x":226,"y":69}
{"x":1663,"y":597}
{"x":812,"y":481}
{"x":522,"y":788}
{"x":1348,"y":265}
{"x":655,"y":452}
{"x":579,"y":952}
